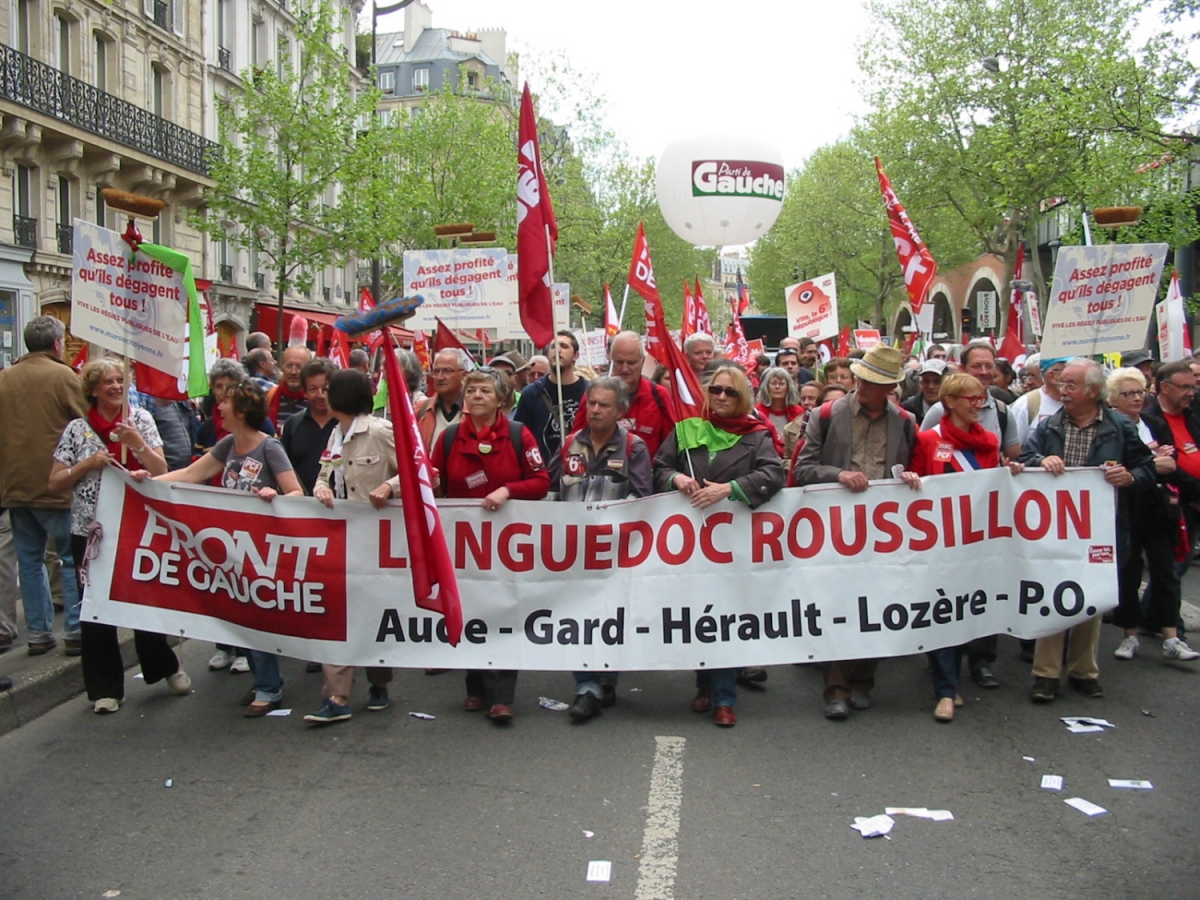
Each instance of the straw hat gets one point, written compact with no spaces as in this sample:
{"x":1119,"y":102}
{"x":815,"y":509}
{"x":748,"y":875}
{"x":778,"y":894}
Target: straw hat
{"x":881,"y":365}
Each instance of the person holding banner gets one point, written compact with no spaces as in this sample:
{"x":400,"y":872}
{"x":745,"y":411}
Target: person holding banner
{"x":957,"y":443}
{"x":729,"y":454}
{"x":246,"y":460}
{"x":359,"y":464}
{"x":1085,"y":433}
{"x":488,"y":457}
{"x":87,"y":446}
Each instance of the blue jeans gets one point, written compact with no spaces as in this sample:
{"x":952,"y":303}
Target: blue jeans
{"x":268,"y":683}
{"x":945,"y":664}
{"x":593,"y":683}
{"x":722,"y":683}
{"x":30,"y":529}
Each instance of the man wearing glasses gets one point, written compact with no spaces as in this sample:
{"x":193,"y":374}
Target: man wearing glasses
{"x":1176,"y":389}
{"x":1085,"y":434}
{"x":444,"y":408}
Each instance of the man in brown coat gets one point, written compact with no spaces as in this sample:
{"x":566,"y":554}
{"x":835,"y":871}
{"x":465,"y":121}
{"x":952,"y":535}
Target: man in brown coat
{"x":39,"y":395}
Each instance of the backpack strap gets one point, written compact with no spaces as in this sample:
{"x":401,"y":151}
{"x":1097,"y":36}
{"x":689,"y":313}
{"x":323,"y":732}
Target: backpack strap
{"x":515,"y":430}
{"x":448,"y":440}
{"x":1002,"y":417}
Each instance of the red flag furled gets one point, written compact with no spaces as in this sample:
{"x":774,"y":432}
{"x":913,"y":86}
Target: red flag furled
{"x":703,"y":322}
{"x":641,"y":279}
{"x":689,"y":314}
{"x":421,"y":348}
{"x":446,"y":339}
{"x":339,"y":349}
{"x":736,"y":346}
{"x":537,"y":232}
{"x":915,"y":258}
{"x":80,"y":359}
{"x":1013,"y":347}
{"x":844,"y":341}
{"x":611,"y":325}
{"x":743,"y":301}
{"x":435,"y":587}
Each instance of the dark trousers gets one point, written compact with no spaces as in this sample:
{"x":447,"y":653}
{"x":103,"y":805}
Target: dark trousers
{"x":493,"y":685}
{"x":982,"y":651}
{"x":841,"y":678}
{"x":103,"y":668}
{"x":1162,"y":611}
{"x":945,"y":664}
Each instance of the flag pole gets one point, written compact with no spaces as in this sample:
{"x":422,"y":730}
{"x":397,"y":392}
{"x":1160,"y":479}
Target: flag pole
{"x":562,"y":420}
{"x":620,"y":322}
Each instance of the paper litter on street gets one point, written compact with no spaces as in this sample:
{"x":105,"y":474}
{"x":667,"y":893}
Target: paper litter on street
{"x":1087,"y":720}
{"x":280,"y":712}
{"x":139,"y":675}
{"x":873,"y":826}
{"x":555,"y":705}
{"x":1085,"y":806}
{"x":1028,"y":759}
{"x":1080,"y":728}
{"x":419,"y":715}
{"x":1052,"y":782}
{"x":599,"y":870}
{"x":589,"y":833}
{"x":1137,"y":784}
{"x":920,"y":812}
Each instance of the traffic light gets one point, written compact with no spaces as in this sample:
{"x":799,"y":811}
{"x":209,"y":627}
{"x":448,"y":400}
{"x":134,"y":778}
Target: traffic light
{"x":968,"y":320}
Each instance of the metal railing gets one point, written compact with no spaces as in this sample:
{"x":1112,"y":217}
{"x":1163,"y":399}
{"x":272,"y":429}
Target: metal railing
{"x":25,"y":232}
{"x":223,"y":58}
{"x":66,"y":239}
{"x":38,"y":86}
{"x":227,"y":273}
{"x":260,"y":280}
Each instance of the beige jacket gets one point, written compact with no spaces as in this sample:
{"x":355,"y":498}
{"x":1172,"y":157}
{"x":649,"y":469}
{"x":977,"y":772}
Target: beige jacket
{"x":39,"y":395}
{"x":369,"y":458}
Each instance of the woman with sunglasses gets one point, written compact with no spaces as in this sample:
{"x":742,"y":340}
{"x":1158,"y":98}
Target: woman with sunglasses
{"x":730,"y":455}
{"x":488,"y":457}
{"x":958,"y":443}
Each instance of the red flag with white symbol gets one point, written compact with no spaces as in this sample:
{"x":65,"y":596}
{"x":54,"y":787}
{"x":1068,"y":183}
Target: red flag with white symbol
{"x":689,"y":314}
{"x":611,"y":325}
{"x":537,"y":232}
{"x":641,"y":279}
{"x":703,"y":322}
{"x":915,"y":258}
{"x":736,"y":346}
{"x":339,"y":349}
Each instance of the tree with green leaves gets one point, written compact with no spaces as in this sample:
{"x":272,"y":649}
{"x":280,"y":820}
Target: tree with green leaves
{"x":288,"y":143}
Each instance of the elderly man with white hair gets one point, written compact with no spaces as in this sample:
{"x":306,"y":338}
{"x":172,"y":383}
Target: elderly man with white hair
{"x":699,"y":350}
{"x":649,"y":414}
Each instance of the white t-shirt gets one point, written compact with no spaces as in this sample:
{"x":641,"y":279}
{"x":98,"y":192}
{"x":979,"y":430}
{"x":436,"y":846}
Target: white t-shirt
{"x":1020,"y":412}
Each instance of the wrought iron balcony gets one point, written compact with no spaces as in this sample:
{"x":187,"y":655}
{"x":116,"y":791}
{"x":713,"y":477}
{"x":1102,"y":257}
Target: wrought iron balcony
{"x":260,"y":280}
{"x":66,"y":239}
{"x":161,"y":12}
{"x":227,"y":274}
{"x":41,"y":87}
{"x":223,"y":58}
{"x":25,"y":232}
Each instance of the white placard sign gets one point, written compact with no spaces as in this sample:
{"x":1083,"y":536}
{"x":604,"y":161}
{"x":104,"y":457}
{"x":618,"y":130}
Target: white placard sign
{"x":986,"y":304}
{"x":1101,"y":299}
{"x":127,"y":303}
{"x":560,"y":292}
{"x":812,"y":308}
{"x":466,"y":289}
{"x":593,"y":348}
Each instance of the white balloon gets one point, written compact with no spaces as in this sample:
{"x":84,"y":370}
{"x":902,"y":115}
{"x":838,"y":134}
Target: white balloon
{"x":718,"y":190}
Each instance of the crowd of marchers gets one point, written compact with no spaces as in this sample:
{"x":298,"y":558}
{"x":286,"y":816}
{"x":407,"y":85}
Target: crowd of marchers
{"x":549,"y":428}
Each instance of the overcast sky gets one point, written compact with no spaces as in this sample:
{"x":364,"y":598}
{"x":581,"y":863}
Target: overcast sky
{"x":781,"y":72}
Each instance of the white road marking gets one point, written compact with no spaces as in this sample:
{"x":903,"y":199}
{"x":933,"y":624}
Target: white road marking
{"x":660,"y":844}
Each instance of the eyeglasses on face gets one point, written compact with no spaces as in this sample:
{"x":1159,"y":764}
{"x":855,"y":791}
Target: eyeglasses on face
{"x":1186,"y":388}
{"x":444,"y":371}
{"x":974,"y":399}
{"x":716,"y":390}
{"x":1133,"y":395}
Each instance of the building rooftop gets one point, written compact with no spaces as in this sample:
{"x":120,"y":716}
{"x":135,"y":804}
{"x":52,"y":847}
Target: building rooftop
{"x":433,"y":44}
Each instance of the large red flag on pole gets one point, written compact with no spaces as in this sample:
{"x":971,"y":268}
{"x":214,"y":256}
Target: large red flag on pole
{"x":687,"y":401}
{"x":435,"y":587}
{"x":915,"y":258}
{"x":641,"y":279}
{"x":537,"y":232}
{"x":1013,"y":347}
{"x":736,"y":346}
{"x":703,"y":322}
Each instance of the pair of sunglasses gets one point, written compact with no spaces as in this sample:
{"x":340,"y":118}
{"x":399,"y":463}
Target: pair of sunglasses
{"x":716,"y":390}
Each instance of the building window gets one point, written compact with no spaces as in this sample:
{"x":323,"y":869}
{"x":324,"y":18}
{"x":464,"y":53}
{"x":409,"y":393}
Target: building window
{"x":101,"y":209}
{"x":222,"y":25}
{"x":158,"y":91}
{"x":283,"y":55}
{"x":62,"y":44}
{"x":421,"y":79}
{"x":22,"y":189}
{"x":22,"y":20}
{"x":65,"y":215}
{"x":473,"y":80}
{"x":256,"y":30}
{"x":102,"y":54}
{"x":178,"y":16}
{"x":387,"y":81}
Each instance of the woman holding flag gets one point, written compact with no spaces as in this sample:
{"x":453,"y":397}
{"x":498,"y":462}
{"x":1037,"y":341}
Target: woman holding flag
{"x":958,"y":443}
{"x":726,"y":454}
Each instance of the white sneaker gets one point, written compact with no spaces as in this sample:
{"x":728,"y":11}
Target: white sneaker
{"x":1128,"y":648}
{"x":241,"y":664}
{"x":179,"y":683}
{"x":106,"y":705}
{"x":221,"y":660}
{"x":1174,"y":648}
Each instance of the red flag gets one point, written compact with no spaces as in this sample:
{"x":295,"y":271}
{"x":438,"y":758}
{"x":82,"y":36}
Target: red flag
{"x":703,"y":322}
{"x":435,"y":587}
{"x":844,"y":341}
{"x":537,"y":232}
{"x":446,"y":339}
{"x":736,"y":347}
{"x":481,"y":335}
{"x":158,"y":384}
{"x":743,"y":303}
{"x":1013,"y":347}
{"x":689,"y":314}
{"x":80,"y":359}
{"x":611,"y":325}
{"x":421,"y":348}
{"x":915,"y":258}
{"x":687,"y":399}
{"x":339,"y":349}
{"x":366,"y":303}
{"x":641,"y":279}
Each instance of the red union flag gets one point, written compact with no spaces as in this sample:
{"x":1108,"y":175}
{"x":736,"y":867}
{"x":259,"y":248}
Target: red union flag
{"x":689,"y":314}
{"x":915,"y":258}
{"x":611,"y":325}
{"x":537,"y":232}
{"x":260,"y":571}
{"x":736,"y":347}
{"x":641,"y":279}
{"x":703,"y":322}
{"x":435,"y":586}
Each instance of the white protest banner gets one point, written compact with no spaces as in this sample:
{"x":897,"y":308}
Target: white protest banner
{"x":1171,"y":323}
{"x":1101,"y":298}
{"x":986,"y":301}
{"x":866,"y":338}
{"x":812,"y":309}
{"x":815,"y":574}
{"x":1035,"y":313}
{"x":130,"y":304}
{"x":466,"y":289}
{"x":593,"y":347}
{"x":560,"y":295}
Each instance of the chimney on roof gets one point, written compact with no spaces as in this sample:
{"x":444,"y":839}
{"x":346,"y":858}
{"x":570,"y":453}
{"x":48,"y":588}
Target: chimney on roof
{"x":492,"y":42}
{"x":417,"y":19}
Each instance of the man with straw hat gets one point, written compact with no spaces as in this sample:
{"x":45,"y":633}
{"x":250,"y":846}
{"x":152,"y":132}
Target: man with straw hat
{"x":853,"y":441}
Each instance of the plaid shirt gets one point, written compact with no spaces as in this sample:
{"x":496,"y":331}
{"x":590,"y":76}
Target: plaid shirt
{"x":1077,"y":442}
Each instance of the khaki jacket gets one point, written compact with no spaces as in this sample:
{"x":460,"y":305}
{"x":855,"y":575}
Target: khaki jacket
{"x":370,"y":458}
{"x":39,"y":395}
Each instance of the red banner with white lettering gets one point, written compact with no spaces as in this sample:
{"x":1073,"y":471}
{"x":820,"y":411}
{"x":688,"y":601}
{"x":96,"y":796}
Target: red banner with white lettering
{"x":641,"y":279}
{"x":537,"y":232}
{"x":915,"y":259}
{"x":703,"y":322}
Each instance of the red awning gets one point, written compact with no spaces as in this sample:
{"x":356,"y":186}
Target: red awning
{"x":267,"y":317}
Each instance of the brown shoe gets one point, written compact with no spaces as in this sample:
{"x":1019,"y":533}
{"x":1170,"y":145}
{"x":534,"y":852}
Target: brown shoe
{"x":247,"y":698}
{"x":702,"y":702}
{"x":72,"y":647}
{"x":473,"y":704}
{"x":41,"y":648}
{"x":500,"y":712}
{"x":945,"y":710}
{"x":724,"y":717}
{"x":256,"y":709}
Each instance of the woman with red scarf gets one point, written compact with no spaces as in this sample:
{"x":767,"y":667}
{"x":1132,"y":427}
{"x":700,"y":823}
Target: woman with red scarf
{"x":729,"y":454}
{"x":958,"y":443}
{"x":86,"y":447}
{"x":488,"y":457}
{"x":778,"y":399}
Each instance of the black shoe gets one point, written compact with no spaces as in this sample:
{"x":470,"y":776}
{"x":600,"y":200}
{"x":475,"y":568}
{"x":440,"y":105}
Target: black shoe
{"x":584,"y":707}
{"x":985,"y":677}
{"x":1044,"y":690}
{"x":1089,"y":687}
{"x":311,"y":667}
{"x":752,"y":676}
{"x":377,"y":698}
{"x":5,"y":683}
{"x":609,"y":698}
{"x":837,"y":709}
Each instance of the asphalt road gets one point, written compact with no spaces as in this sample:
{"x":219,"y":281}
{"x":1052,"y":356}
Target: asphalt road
{"x":390,"y":806}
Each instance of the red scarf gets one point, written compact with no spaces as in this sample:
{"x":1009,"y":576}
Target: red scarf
{"x":744,"y":425}
{"x":764,"y":410}
{"x":977,"y":439}
{"x":278,"y":392}
{"x":219,"y":430}
{"x":492,"y":434}
{"x":105,"y":429}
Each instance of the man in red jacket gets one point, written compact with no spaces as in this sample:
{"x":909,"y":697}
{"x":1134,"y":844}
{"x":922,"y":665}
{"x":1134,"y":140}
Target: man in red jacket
{"x":649,"y":415}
